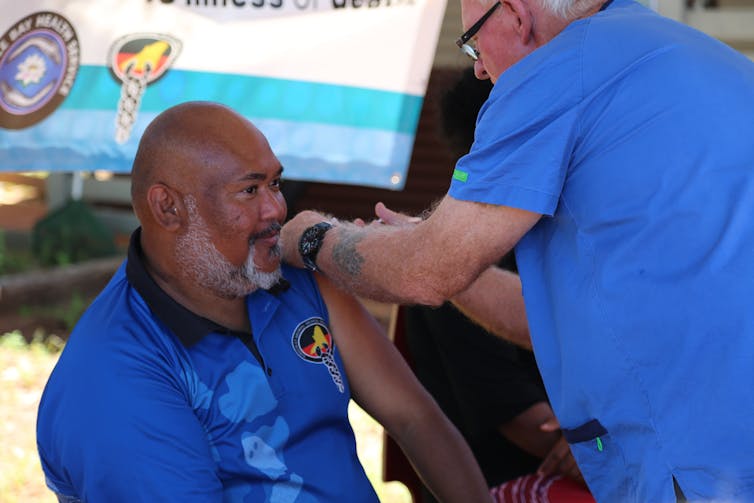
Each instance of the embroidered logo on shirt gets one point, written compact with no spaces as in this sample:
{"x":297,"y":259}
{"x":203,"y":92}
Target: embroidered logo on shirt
{"x":313,"y":343}
{"x":459,"y":175}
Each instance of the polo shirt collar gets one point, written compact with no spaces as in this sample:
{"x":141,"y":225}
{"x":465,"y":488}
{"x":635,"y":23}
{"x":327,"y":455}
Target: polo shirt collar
{"x":187,"y":326}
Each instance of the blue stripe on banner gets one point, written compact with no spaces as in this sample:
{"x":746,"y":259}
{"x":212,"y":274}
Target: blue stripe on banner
{"x":320,"y":132}
{"x":308,"y":151}
{"x":261,"y":97}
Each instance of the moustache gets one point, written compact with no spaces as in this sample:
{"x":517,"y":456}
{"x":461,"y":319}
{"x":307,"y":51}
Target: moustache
{"x":273,"y":229}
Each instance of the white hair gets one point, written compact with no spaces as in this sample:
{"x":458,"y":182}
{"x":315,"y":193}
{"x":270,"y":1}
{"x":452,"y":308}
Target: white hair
{"x":564,"y":9}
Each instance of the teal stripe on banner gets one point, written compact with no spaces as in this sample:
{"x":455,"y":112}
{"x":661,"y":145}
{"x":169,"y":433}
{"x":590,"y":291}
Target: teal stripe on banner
{"x":259,"y":97}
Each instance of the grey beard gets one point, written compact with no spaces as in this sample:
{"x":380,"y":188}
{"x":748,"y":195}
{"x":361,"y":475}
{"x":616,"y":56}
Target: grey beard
{"x":199,"y":259}
{"x":263,"y":280}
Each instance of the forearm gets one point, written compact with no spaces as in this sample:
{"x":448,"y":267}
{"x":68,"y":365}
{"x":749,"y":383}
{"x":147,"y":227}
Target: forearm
{"x":425,"y":263}
{"x":391,"y":264}
{"x":443,"y":460}
{"x":495,"y":302}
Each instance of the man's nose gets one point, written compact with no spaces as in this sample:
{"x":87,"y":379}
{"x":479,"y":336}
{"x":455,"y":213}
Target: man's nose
{"x":479,"y":71}
{"x":273,"y":206}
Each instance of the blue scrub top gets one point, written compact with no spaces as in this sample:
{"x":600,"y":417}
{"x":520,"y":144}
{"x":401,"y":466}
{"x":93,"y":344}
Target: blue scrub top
{"x":633,"y":136}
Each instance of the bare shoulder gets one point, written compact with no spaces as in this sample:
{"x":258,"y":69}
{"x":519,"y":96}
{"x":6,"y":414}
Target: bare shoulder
{"x":347,"y":314}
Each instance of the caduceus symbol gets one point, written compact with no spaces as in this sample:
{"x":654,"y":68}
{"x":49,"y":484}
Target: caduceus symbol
{"x":138,"y":60}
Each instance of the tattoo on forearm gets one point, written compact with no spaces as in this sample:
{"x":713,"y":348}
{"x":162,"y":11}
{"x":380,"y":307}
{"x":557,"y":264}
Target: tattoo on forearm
{"x":345,"y":254}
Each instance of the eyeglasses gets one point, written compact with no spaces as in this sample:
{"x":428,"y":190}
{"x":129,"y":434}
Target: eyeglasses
{"x":461,"y":42}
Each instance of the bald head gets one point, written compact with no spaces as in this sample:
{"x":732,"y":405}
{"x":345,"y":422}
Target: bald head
{"x":183,"y":146}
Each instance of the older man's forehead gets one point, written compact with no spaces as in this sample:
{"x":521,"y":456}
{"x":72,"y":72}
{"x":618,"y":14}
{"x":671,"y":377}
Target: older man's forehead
{"x":468,"y":12}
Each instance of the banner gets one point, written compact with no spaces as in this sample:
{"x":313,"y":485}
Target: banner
{"x":336,"y":85}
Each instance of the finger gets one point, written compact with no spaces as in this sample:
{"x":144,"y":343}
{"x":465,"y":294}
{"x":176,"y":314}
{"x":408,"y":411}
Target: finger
{"x":390,"y":217}
{"x":573,"y":469}
{"x":575,"y":474}
{"x":568,"y":467}
{"x":387,"y":215}
{"x":550,"y":464}
{"x":553,"y":462}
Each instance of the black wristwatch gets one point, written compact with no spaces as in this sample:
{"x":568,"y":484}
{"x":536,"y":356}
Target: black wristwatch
{"x":310,"y":243}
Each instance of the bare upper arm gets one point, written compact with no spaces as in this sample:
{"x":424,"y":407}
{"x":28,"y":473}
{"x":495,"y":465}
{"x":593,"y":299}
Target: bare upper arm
{"x":381,"y":382}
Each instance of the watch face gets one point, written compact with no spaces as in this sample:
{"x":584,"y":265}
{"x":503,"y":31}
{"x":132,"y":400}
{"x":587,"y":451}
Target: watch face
{"x":311,"y":242}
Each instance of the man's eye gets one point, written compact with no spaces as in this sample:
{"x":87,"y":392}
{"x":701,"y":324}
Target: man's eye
{"x":251,"y":190}
{"x":276,"y":183}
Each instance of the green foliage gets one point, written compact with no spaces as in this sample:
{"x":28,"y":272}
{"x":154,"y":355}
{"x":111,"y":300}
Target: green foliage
{"x":68,"y":312}
{"x":71,"y":313}
{"x":40,"y":342}
{"x":13,"y":340}
{"x":71,"y":234}
{"x":13,"y":261}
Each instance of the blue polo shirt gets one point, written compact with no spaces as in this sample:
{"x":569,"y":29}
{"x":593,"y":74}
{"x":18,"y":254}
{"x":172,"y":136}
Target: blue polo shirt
{"x":633,"y":136}
{"x":150,"y":402}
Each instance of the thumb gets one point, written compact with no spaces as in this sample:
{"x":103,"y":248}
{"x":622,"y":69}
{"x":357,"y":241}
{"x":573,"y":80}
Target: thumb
{"x":385,"y":214}
{"x":550,"y":425}
{"x":390,"y":217}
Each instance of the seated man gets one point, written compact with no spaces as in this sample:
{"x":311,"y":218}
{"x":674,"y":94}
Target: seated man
{"x":200,"y":374}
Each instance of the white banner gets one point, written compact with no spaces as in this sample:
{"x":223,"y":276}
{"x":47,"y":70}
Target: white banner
{"x":336,"y":85}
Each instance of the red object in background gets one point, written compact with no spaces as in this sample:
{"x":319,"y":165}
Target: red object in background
{"x":538,"y":489}
{"x":526,"y":489}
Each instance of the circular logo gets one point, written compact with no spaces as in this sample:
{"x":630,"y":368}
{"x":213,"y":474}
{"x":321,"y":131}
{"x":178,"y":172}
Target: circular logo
{"x":143,"y":55}
{"x":39,"y":60}
{"x":312,"y":340}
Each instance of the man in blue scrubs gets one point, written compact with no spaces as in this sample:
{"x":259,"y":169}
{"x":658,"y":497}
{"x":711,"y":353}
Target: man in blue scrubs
{"x":201,"y":373}
{"x":616,"y":152}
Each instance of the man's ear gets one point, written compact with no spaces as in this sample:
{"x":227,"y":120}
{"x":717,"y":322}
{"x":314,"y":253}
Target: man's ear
{"x":523,"y":19}
{"x":166,"y":206}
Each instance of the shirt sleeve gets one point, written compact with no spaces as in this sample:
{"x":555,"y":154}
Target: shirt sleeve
{"x":128,"y":435}
{"x":524,"y":136}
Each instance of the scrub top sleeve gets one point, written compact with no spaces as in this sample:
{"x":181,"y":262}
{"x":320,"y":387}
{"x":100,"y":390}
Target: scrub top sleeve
{"x":526,"y":173}
{"x":523,"y":140}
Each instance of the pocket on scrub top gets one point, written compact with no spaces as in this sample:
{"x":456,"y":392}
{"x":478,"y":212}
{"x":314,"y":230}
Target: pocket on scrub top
{"x":591,"y":430}
{"x":600,"y":459}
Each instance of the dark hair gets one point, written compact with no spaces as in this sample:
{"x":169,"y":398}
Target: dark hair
{"x":459,"y":108}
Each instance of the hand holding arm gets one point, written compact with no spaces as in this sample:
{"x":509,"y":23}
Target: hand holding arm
{"x":425,"y":263}
{"x":560,"y":459}
{"x":525,"y":430}
{"x":292,"y":231}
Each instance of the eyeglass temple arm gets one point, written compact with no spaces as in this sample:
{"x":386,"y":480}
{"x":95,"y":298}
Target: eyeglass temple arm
{"x":475,"y":27}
